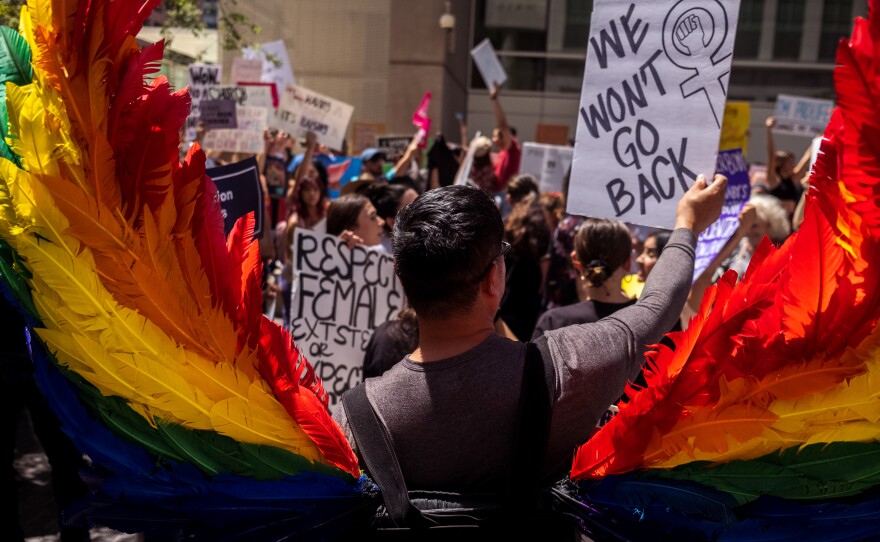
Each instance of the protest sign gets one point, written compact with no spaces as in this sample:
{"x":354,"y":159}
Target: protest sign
{"x":364,"y":134}
{"x":548,"y":163}
{"x":488,"y":64}
{"x":240,"y":192}
{"x":393,"y":145}
{"x":339,"y":297}
{"x":735,"y":127}
{"x":551,"y":134}
{"x":201,"y":78}
{"x":252,"y":119}
{"x":276,"y":68}
{"x":246,"y":70}
{"x":732,"y":165}
{"x":802,"y":116}
{"x":651,"y":107}
{"x":218,"y":114}
{"x":270,"y":88}
{"x":302,"y":110}
{"x":244,"y":141}
{"x":254,"y":96}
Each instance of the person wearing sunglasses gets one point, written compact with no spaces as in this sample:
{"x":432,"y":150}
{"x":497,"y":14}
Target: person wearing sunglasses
{"x":452,"y":408}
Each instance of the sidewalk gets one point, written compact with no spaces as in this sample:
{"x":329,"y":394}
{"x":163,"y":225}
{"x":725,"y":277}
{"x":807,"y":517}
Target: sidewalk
{"x":37,"y":507}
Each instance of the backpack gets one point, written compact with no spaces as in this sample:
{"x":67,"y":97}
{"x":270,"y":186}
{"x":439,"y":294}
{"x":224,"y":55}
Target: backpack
{"x":425,"y":515}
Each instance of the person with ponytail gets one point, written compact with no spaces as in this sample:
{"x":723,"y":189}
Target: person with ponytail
{"x":602,"y":256}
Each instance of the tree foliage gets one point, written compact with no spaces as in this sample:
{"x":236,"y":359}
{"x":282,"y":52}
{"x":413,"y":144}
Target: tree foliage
{"x":236,"y":30}
{"x":9,"y":11}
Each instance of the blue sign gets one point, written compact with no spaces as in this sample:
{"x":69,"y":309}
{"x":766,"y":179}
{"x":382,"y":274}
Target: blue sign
{"x":732,"y":165}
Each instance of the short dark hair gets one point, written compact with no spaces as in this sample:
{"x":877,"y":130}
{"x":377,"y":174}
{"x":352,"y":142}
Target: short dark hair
{"x":661,"y":238}
{"x":343,"y":213}
{"x":444,"y":244}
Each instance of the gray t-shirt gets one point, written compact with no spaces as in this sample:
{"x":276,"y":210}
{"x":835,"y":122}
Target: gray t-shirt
{"x":452,"y":421}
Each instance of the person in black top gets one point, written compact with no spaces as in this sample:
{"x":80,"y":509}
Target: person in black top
{"x":602,"y":254}
{"x":784,"y":177}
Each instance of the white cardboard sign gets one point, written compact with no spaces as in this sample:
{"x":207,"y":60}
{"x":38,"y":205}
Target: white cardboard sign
{"x":488,"y":64}
{"x":246,"y":70}
{"x":252,"y":119}
{"x":242,"y":95}
{"x":302,"y":110}
{"x":651,"y":107}
{"x":548,"y":163}
{"x":269,"y":54}
{"x":801,"y":116}
{"x":340,"y":296}
{"x":244,"y":141}
{"x":201,"y":78}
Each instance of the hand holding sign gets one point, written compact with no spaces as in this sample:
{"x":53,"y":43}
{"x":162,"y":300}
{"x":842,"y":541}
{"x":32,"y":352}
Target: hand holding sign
{"x":701,"y":204}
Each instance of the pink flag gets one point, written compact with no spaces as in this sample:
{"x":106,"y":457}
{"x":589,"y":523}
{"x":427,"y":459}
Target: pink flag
{"x":422,"y":121}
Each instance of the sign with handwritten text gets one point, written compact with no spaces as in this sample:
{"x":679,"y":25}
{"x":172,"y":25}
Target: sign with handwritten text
{"x":651,"y":107}
{"x":732,"y":165}
{"x":548,"y":163}
{"x":796,"y":115}
{"x":340,"y":296}
{"x":202,"y":77}
{"x":302,"y":110}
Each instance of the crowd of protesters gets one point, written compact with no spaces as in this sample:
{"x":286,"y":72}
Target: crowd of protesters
{"x":561,"y":269}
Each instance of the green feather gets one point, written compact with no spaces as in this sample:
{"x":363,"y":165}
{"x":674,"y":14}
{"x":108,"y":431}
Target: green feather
{"x":818,"y":471}
{"x":211,"y":452}
{"x":15,"y":58}
{"x":15,"y":67}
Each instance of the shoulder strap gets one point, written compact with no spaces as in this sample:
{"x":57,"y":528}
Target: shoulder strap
{"x":530,"y":441}
{"x":533,"y":427}
{"x":374,"y":444}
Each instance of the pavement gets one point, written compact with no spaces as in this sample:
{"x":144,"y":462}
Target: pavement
{"x":37,"y":508}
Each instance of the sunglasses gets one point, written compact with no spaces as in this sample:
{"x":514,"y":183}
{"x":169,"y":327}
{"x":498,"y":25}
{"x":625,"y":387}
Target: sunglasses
{"x":505,"y":248}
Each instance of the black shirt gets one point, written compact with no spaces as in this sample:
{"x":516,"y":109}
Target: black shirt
{"x":585,"y":312}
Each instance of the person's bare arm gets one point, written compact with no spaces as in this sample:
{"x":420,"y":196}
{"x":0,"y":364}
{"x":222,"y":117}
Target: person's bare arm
{"x":802,"y":169}
{"x":770,"y":179}
{"x":402,"y":165}
{"x":303,"y":166}
{"x":500,"y":117}
{"x":747,"y":218}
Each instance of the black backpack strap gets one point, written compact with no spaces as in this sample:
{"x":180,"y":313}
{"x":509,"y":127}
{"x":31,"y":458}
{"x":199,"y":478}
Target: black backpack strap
{"x":533,"y":428}
{"x":376,"y":450}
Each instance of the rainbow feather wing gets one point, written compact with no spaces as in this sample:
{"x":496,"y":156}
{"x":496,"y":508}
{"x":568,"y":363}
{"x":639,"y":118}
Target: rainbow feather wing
{"x":770,"y":402}
{"x":146,"y":320}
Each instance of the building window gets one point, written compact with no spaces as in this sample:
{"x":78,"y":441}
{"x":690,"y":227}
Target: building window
{"x":789,"y":27}
{"x":748,"y":29}
{"x":836,"y":23}
{"x":577,"y":24}
{"x":512,"y":25}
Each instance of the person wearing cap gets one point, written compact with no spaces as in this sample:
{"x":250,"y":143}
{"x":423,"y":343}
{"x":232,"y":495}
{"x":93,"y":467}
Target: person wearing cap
{"x":373,"y":162}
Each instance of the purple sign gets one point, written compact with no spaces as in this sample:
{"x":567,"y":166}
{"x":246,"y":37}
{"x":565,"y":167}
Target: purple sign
{"x":732,"y":165}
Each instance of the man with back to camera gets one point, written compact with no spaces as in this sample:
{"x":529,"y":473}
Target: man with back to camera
{"x":450,"y":408}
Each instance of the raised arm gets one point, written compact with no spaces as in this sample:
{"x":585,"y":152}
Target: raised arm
{"x":592,"y":362}
{"x":747,"y":218}
{"x":402,"y":165}
{"x":802,"y":169}
{"x":303,"y":166}
{"x":500,"y":118}
{"x":771,"y":180}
